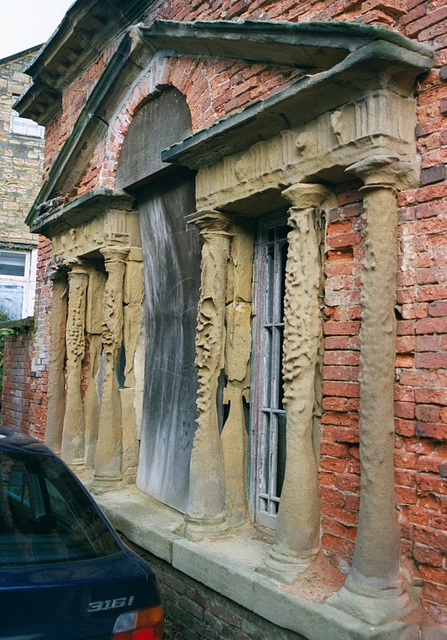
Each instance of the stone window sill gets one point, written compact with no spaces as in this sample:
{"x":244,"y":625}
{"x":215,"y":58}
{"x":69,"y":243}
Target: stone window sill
{"x":229,"y":564}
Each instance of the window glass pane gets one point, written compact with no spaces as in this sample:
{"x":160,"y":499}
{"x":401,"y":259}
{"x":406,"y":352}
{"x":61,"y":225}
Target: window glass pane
{"x":45,"y":516}
{"x":268,"y":413}
{"x":11,"y":300}
{"x":12,"y":263}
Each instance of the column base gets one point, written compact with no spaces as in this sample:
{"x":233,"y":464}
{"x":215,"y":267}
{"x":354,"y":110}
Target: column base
{"x":77,"y":465}
{"x":196,"y":529}
{"x":377,"y":607}
{"x":103,"y":484}
{"x":284,"y":567}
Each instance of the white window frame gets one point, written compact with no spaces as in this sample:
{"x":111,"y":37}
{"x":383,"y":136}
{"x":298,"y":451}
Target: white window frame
{"x":25,"y":127}
{"x":28,"y":280}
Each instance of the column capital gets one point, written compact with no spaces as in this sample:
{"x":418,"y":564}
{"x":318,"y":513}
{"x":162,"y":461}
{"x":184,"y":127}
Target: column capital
{"x":377,"y":172}
{"x":211,"y":221}
{"x":306,"y":195}
{"x":115,"y":253}
{"x":56,"y":269}
{"x":75,"y":265}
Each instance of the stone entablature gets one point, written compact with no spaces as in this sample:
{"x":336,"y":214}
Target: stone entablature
{"x":324,"y":147}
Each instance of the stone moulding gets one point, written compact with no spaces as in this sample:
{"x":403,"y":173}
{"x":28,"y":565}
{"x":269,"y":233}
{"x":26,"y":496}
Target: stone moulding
{"x":389,"y":56}
{"x":322,"y":148}
{"x":380,"y":65}
{"x":80,"y":210}
{"x":86,"y":23}
{"x":318,"y":45}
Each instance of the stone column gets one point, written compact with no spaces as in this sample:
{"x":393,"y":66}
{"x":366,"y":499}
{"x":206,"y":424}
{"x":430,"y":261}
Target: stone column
{"x":206,"y":509}
{"x":56,"y":370}
{"x":297,"y":527}
{"x":238,"y":339}
{"x":73,"y":435}
{"x":372,"y":589}
{"x":109,"y":445}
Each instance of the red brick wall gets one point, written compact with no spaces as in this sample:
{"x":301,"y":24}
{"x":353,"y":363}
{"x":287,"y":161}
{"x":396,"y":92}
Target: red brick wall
{"x":25,"y":373}
{"x":41,"y":341}
{"x":340,"y":467}
{"x":16,"y":393}
{"x":215,"y":89}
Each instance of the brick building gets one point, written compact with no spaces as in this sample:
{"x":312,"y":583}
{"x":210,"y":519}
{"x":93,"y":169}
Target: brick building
{"x":226,"y":356}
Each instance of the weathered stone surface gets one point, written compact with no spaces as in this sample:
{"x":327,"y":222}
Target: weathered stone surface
{"x":170,"y":115}
{"x":21,"y":157}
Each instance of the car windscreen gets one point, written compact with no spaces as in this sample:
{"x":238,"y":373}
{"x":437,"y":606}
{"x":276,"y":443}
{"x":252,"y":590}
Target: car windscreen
{"x":45,"y":515}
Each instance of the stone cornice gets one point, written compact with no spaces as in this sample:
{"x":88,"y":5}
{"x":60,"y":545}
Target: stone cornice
{"x":80,"y":210}
{"x":92,"y":122}
{"x":380,"y":64}
{"x":87,"y":27}
{"x":315,"y":45}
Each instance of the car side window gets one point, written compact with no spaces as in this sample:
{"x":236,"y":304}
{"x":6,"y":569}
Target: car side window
{"x":45,"y":516}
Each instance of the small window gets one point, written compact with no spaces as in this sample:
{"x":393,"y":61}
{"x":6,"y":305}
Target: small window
{"x":17,"y":283}
{"x":25,"y":126}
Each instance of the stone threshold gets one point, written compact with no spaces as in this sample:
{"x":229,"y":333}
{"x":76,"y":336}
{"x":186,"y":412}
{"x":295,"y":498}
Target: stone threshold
{"x":229,"y":565}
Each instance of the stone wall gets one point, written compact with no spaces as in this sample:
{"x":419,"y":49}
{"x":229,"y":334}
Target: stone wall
{"x":214,"y":91}
{"x":17,"y":394}
{"x":21,"y":157}
{"x":195,"y":611}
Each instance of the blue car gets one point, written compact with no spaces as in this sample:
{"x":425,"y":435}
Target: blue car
{"x":64,"y":573}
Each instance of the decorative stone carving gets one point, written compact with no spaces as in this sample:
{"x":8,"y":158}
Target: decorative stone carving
{"x":334,"y":139}
{"x":74,"y":427}
{"x":372,"y":590}
{"x":234,"y":435}
{"x":205,"y":514}
{"x":93,"y":326}
{"x":130,"y":397}
{"x":297,"y":528}
{"x":109,"y":445}
{"x":56,"y":369}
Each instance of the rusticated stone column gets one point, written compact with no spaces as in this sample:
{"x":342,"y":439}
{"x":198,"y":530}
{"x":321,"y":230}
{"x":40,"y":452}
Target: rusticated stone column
{"x":372,"y":589}
{"x":297,"y":527}
{"x":109,"y":444}
{"x":56,"y":370}
{"x":73,"y":435}
{"x":234,"y":436}
{"x":206,"y":509}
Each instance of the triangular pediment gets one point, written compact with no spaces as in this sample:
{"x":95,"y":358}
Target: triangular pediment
{"x":338,"y":59}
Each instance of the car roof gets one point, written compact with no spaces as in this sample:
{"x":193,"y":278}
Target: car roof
{"x":15,"y":439}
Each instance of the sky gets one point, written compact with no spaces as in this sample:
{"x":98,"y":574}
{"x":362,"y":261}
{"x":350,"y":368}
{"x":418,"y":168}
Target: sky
{"x":26,"y":23}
